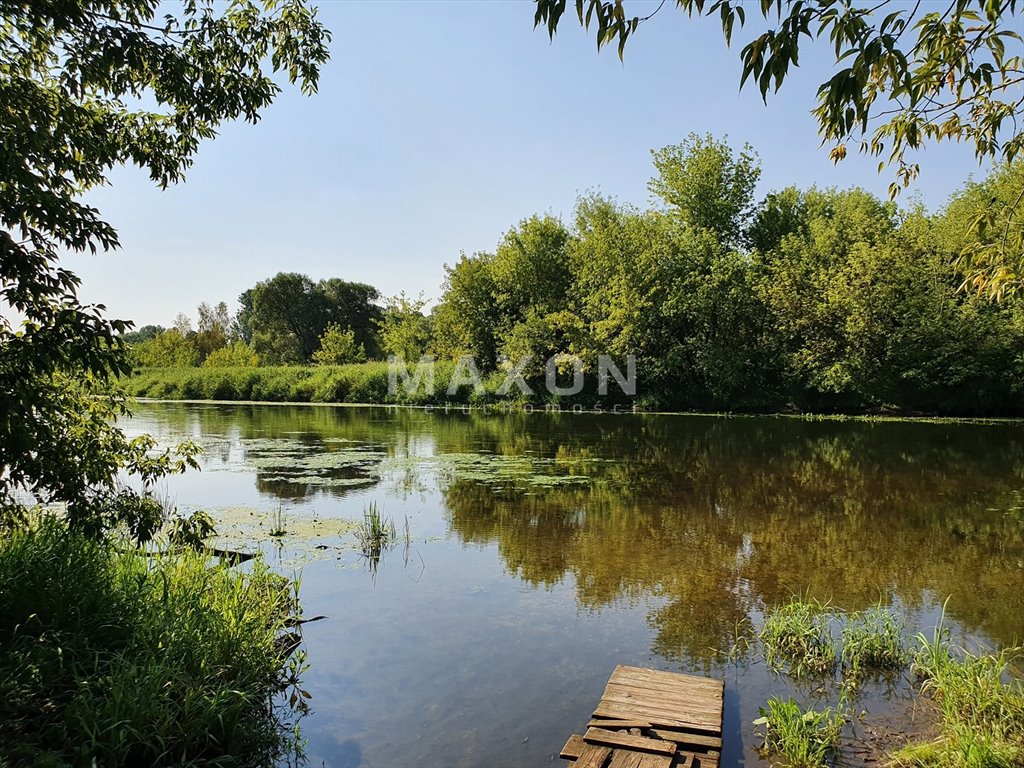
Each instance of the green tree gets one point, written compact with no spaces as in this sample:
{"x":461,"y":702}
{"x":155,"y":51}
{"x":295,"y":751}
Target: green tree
{"x":167,"y":350}
{"x":68,"y":73}
{"x":353,"y":306}
{"x":237,"y":354}
{"x":287,"y":319}
{"x":906,"y":73}
{"x":531,"y":271}
{"x":404,"y":330}
{"x":338,"y":346}
{"x":707,"y":185}
{"x":214,"y":329}
{"x":465,"y":322}
{"x":287,"y":315}
{"x":145,"y":333}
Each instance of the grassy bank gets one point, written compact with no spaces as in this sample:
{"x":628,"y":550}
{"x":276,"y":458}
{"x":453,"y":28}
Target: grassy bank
{"x":368,"y":384}
{"x":979,"y":707}
{"x":110,"y":657}
{"x":365,"y":383}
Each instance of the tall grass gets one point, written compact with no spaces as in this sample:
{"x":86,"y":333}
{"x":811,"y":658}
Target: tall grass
{"x":376,"y":534}
{"x":366,"y":383}
{"x":981,"y":708}
{"x":798,"y":635}
{"x":803,"y":738}
{"x":110,"y":657}
{"x":872,"y":641}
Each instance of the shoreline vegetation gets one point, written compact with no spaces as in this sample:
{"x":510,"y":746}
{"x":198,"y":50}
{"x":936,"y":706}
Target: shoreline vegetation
{"x":978,"y":705}
{"x":366,"y":384}
{"x":809,"y":300}
{"x":120,"y":655}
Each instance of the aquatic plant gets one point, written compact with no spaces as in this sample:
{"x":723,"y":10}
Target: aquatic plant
{"x":376,"y":534}
{"x":981,"y":719}
{"x":278,"y":529}
{"x":803,"y":738}
{"x":872,"y":640}
{"x":112,"y":656}
{"x":797,"y":636}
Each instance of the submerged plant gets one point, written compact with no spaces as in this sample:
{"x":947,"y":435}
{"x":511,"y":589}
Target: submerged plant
{"x":798,"y":635}
{"x":803,"y":738}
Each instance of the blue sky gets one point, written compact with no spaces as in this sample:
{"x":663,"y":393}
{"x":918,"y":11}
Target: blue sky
{"x":437,"y":127}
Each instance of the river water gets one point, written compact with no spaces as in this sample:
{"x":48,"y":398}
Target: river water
{"x":544,"y":549}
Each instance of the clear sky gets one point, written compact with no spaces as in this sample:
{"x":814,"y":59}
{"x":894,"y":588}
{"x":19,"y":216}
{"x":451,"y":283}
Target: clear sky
{"x":440,"y":124}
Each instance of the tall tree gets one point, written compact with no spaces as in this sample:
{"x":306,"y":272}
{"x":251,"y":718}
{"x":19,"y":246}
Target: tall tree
{"x":709,"y":186}
{"x":404,"y":329}
{"x":466,"y":320}
{"x":288,"y":317}
{"x":353,"y":306}
{"x":68,"y":73}
{"x":906,"y":75}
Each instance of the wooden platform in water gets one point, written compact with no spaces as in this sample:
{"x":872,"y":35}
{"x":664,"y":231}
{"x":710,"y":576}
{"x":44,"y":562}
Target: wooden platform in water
{"x":651,"y":719}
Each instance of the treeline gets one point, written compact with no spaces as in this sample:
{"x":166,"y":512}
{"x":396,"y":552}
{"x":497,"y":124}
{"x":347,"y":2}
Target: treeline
{"x":818,"y":300}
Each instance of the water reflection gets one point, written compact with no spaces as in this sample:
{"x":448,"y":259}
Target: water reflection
{"x":662,"y":532}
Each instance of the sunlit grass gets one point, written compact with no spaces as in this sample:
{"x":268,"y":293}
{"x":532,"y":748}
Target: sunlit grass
{"x":112,"y":657}
{"x":797,"y":737}
{"x":872,"y":641}
{"x":797,"y":636}
{"x":981,"y":709}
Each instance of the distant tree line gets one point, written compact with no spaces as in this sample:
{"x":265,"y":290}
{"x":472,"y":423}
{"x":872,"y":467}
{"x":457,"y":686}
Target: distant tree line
{"x":816,"y":299}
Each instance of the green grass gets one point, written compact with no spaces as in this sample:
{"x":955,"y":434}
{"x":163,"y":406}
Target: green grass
{"x":981,"y":709}
{"x":376,"y":534}
{"x":801,"y":738}
{"x":872,"y":641}
{"x":797,"y":636}
{"x":112,"y":657}
{"x":355,"y":383}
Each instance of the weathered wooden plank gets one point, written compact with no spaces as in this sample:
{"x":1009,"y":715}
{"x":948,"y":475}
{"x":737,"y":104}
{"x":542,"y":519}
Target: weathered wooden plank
{"x":655,"y":761}
{"x":712,"y":696}
{"x":711,"y":700}
{"x":689,"y":739}
{"x":683,"y":760}
{"x":671,"y":719}
{"x":671,"y":680}
{"x":612,"y":724}
{"x":593,"y":756}
{"x":708,"y":761}
{"x":628,"y":741}
{"x":623,"y":758}
{"x":712,"y":705}
{"x":653,"y":710}
{"x":573,"y":747}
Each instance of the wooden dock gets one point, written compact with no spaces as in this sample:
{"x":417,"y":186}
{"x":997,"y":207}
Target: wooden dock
{"x":651,"y":719}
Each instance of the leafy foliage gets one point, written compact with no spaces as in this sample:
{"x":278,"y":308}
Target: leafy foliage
{"x":111,"y":657}
{"x":68,"y":73}
{"x":404,"y":329}
{"x":906,"y":75}
{"x":338,"y":347}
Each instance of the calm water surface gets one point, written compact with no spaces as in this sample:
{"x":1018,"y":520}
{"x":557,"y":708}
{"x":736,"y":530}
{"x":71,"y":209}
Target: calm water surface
{"x":546,"y":549}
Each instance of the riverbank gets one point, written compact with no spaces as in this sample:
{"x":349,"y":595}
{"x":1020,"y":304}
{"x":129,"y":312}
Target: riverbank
{"x":370,"y":384}
{"x":112,"y":656}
